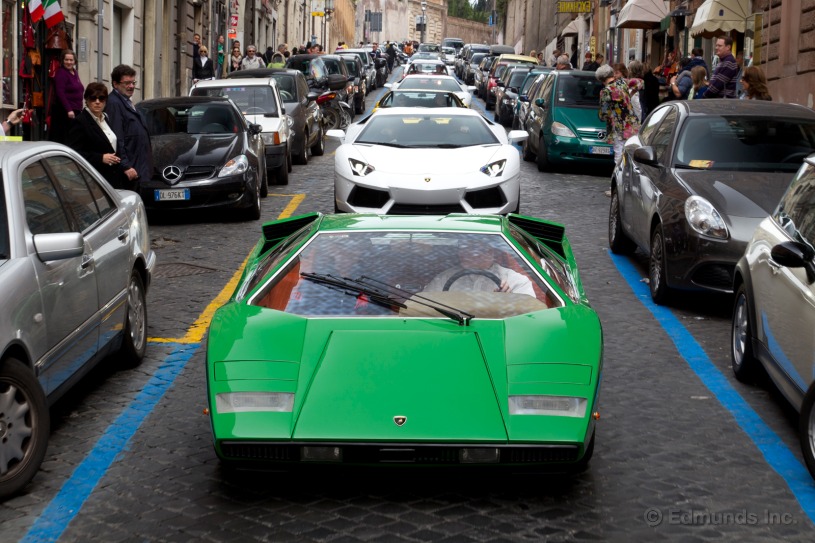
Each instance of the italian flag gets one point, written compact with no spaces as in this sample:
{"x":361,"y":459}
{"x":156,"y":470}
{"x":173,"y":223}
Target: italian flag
{"x":36,"y":10}
{"x":53,"y":13}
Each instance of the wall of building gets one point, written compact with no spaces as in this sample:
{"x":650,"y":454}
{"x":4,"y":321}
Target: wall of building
{"x":469,"y":31}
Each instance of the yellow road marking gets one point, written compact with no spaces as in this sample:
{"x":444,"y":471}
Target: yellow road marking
{"x":195,"y":333}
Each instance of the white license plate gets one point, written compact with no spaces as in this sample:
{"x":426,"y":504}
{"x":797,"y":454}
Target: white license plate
{"x":599,"y":150}
{"x":162,"y":195}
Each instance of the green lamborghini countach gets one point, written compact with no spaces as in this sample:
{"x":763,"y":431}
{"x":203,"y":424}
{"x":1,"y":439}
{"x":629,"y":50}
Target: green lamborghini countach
{"x":430,"y":340}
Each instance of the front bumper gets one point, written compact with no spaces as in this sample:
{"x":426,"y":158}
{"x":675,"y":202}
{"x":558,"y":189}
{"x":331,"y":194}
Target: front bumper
{"x":569,"y":150}
{"x":233,"y":191}
{"x":276,"y":156}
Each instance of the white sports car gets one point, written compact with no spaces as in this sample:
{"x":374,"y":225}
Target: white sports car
{"x":436,"y":82}
{"x":426,"y":161}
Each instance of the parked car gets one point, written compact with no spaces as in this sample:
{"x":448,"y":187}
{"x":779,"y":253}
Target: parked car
{"x":773,"y":314}
{"x":365,"y":340}
{"x":698,"y":179}
{"x":563,"y":122}
{"x":470,"y":67}
{"x":356,"y":73}
{"x":324,"y":73}
{"x":259,"y":100}
{"x":507,"y":90}
{"x":205,"y":156}
{"x":402,"y":160}
{"x":368,"y":66}
{"x":465,"y":58}
{"x":497,"y":69}
{"x":75,"y":267}
{"x":449,"y":57}
{"x":419,"y":98}
{"x":482,"y":73}
{"x":529,"y":87}
{"x":299,"y":103}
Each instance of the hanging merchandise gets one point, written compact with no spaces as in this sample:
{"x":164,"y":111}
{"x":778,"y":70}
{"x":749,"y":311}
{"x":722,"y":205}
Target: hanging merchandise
{"x":53,"y":13}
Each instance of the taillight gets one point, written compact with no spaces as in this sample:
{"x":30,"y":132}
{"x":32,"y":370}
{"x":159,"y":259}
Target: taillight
{"x":326,"y":97}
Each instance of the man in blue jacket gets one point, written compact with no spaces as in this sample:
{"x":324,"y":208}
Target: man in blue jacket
{"x":132,"y":140}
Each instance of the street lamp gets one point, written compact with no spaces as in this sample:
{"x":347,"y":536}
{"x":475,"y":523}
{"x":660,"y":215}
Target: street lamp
{"x":424,"y":21}
{"x":327,"y":11}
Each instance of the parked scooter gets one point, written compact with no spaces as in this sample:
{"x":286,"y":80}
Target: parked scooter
{"x":336,"y":113}
{"x":381,"y":71}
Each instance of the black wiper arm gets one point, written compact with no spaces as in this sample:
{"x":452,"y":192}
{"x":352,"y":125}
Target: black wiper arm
{"x":462,"y":317}
{"x":384,"y":144}
{"x":354,"y":287}
{"x":446,"y":146}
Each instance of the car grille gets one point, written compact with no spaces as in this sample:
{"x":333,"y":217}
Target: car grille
{"x":365,"y":197}
{"x":401,"y":453}
{"x":714,"y":276}
{"x":195,"y":173}
{"x":491,"y":197}
{"x":417,"y":209}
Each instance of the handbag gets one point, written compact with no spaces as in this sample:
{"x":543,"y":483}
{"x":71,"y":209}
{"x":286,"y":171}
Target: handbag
{"x":36,"y":99}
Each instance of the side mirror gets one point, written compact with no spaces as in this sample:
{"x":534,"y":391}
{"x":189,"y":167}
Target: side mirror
{"x":646,"y":155}
{"x":335,"y":134}
{"x":515,"y":136}
{"x":311,"y":96}
{"x":255,"y":129}
{"x":59,"y":246}
{"x":794,"y":254}
{"x":523,"y":98}
{"x":540,"y":103}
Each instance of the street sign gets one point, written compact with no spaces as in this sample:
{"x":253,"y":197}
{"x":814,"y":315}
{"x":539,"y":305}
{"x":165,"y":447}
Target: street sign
{"x":317,"y":13}
{"x":233,"y":19}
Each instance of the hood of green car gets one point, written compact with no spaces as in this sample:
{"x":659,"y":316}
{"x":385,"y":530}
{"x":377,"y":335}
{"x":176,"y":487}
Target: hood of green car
{"x":579,"y":118}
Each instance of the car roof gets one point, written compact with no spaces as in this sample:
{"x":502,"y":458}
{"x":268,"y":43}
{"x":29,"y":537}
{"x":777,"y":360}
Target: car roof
{"x":458,"y":111}
{"x":515,"y":58}
{"x":744,"y":107}
{"x":238,"y":81}
{"x":262,"y":72}
{"x":183,"y":100}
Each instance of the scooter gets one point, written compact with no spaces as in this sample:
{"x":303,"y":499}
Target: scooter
{"x":336,"y":113}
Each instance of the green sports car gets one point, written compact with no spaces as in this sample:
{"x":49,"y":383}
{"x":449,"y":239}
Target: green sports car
{"x":433,"y":340}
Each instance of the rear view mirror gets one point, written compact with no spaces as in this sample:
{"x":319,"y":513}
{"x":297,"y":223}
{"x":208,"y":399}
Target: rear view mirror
{"x":646,"y":155}
{"x":794,"y":254}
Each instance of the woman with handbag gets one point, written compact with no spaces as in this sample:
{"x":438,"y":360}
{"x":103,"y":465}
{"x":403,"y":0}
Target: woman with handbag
{"x":67,"y":98}
{"x":92,"y":137}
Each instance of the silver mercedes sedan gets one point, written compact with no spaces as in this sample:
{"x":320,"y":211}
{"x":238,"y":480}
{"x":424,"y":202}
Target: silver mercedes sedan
{"x":75,"y":265}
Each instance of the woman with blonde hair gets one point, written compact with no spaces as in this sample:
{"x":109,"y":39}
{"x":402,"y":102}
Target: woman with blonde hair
{"x":698,"y":75}
{"x":754,"y":84}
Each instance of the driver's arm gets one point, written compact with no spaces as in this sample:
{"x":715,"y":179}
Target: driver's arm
{"x":516,"y":282}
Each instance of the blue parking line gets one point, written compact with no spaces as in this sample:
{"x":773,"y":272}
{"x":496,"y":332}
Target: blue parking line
{"x":53,"y":521}
{"x":775,"y":452}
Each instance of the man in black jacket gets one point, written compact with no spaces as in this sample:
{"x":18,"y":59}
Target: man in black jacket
{"x":132,"y":140}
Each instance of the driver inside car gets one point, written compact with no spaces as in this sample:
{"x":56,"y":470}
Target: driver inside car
{"x":478,"y":271}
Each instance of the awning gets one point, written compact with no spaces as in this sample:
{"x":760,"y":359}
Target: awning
{"x":642,"y":14}
{"x":570,"y":30}
{"x":716,"y":17}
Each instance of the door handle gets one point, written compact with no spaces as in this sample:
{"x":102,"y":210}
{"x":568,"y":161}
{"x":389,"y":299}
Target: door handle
{"x":87,"y":260}
{"x":775,"y":267}
{"x":122,"y":233}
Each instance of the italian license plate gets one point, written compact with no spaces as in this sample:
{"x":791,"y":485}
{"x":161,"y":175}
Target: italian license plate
{"x":163,"y":195}
{"x":596,"y":150}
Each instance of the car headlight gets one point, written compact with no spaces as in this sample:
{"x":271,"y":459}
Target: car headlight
{"x":289,"y":121}
{"x":557,"y":406}
{"x":271,"y":138}
{"x":560,"y":129}
{"x":494,"y":169}
{"x":242,"y":402}
{"x":360,"y":168}
{"x":237,"y":165}
{"x":704,"y":218}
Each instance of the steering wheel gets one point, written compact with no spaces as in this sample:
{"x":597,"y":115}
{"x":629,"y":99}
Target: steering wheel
{"x":254,"y":111}
{"x":799,"y":155}
{"x":286,"y":96}
{"x":459,"y":274}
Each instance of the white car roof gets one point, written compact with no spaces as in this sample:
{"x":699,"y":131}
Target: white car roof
{"x":237,"y":82}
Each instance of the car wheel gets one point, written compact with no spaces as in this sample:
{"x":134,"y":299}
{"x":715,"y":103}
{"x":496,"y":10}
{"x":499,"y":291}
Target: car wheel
{"x":318,"y":149}
{"x":657,"y":269}
{"x":528,"y":155}
{"x":288,"y":160}
{"x":331,"y":118}
{"x":806,"y":430}
{"x":543,"y":155}
{"x":514,"y":125}
{"x":361,"y":104}
{"x":134,"y":341}
{"x":495,"y":116}
{"x":745,"y":365}
{"x":264,"y":183}
{"x":583,"y":464}
{"x":618,"y":242}
{"x":282,"y":174}
{"x":302,"y":157}
{"x":24,"y":426}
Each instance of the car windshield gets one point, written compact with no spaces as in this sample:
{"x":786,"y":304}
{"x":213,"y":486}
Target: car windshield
{"x":477,"y":58}
{"x":426,"y":130}
{"x":407,"y":274}
{"x":250,"y":99}
{"x":577,"y":91}
{"x":517,"y":78}
{"x":430,"y":83}
{"x":192,"y":119}
{"x":333,"y":66}
{"x":528,"y":81}
{"x":351,"y":65}
{"x":400,"y":98}
{"x":287,"y":87}
{"x":745,"y":143}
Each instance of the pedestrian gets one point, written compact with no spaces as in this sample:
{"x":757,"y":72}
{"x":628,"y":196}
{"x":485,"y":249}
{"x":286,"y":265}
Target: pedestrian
{"x":93,"y":138}
{"x":202,"y":66}
{"x":553,"y":59}
{"x":615,"y":109}
{"x":698,"y":75}
{"x":649,"y":96}
{"x":541,"y":62}
{"x":251,"y":61}
{"x":697,"y":58}
{"x":755,"y":84}
{"x":533,"y":53}
{"x":634,"y":85}
{"x":391,"y":52}
{"x":220,"y":56}
{"x":196,"y":44}
{"x":266,"y":57}
{"x":67,"y":100}
{"x":725,"y":75}
{"x":682,"y":83}
{"x":235,"y":59}
{"x":132,"y":139}
{"x":283,"y":48}
{"x":587,"y":62}
{"x":278,"y":60}
{"x":14,"y":118}
{"x":668,"y":68}
{"x":574,"y":58}
{"x":562,"y":63}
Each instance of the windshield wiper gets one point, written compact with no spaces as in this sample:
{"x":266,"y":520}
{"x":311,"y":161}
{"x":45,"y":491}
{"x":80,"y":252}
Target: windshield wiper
{"x":384,"y":144}
{"x":353,"y":287}
{"x":446,"y":146}
{"x":462,"y":317}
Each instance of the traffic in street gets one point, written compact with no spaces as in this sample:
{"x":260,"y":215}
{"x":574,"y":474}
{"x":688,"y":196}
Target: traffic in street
{"x":683,"y":450}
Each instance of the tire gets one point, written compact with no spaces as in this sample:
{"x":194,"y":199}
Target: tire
{"x":361,"y":108}
{"x":331,"y":118}
{"x":806,"y":430}
{"x":301,"y":158}
{"x":281,"y":174}
{"x":495,"y":116}
{"x":660,"y":292}
{"x":288,"y":161}
{"x":264,"y":183}
{"x":583,"y":464}
{"x":542,"y":158}
{"x":744,"y":363}
{"x":134,"y":340}
{"x":25,"y":420}
{"x":618,"y":242}
{"x":514,"y":124}
{"x":527,"y":154}
{"x":318,"y":149}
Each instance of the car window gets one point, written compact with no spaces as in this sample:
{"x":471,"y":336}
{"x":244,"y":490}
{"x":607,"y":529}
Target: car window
{"x":431,"y":83}
{"x":78,"y":196}
{"x":731,"y":142}
{"x":407,"y":263}
{"x":796,"y":212}
{"x":477,"y":58}
{"x":661,"y":137}
{"x":287,"y":87}
{"x":577,"y":91}
{"x":548,"y":260}
{"x":250,"y":99}
{"x":423,"y":130}
{"x":545,"y":90}
{"x":44,"y":211}
{"x":352,"y":67}
{"x":333,"y":66}
{"x":517,"y":78}
{"x":651,"y":123}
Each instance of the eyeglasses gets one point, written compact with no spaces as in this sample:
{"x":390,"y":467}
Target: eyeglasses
{"x":97,"y":98}
{"x":128,"y":83}
{"x":250,"y":51}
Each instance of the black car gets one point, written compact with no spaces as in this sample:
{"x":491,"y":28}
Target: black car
{"x":300,"y":104}
{"x":507,"y":91}
{"x":465,"y":58}
{"x":356,"y":74}
{"x":482,"y":74}
{"x":471,"y":66}
{"x":205,"y":155}
{"x":368,"y":65}
{"x":323,"y":73}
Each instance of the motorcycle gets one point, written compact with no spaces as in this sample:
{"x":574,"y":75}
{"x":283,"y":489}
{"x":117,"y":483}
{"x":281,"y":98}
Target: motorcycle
{"x":381,"y":71}
{"x":336,"y":113}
